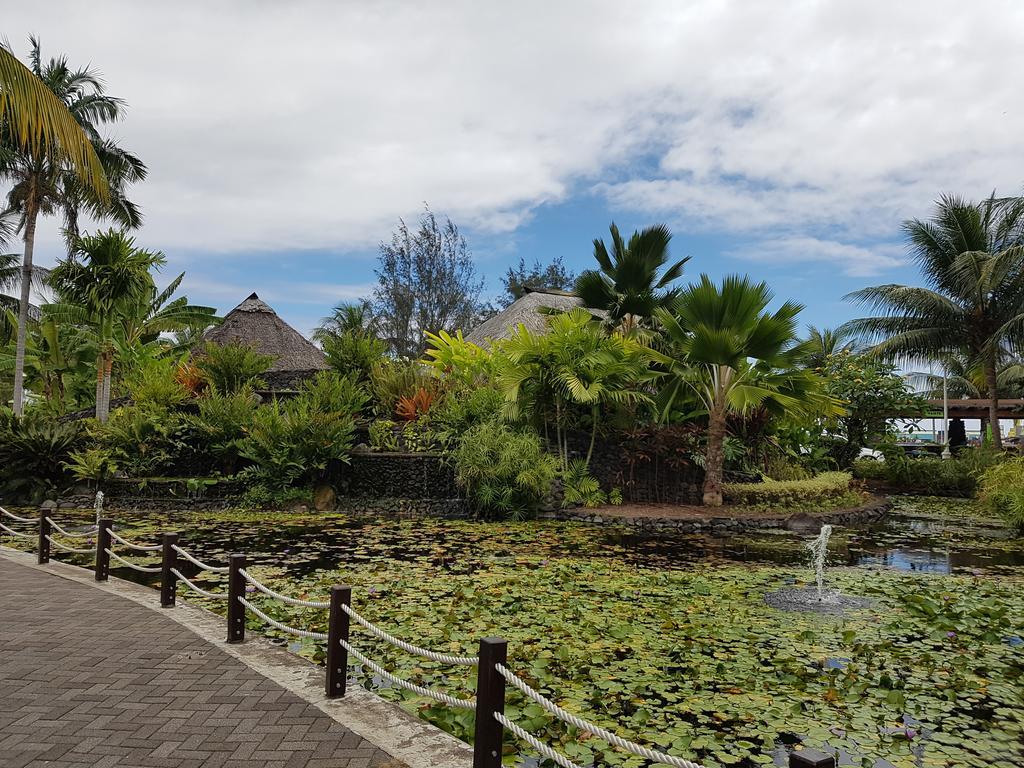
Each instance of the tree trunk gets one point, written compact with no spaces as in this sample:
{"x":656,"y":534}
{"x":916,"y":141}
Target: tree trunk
{"x":31,"y":211}
{"x":107,"y":368}
{"x":715,"y":457}
{"x":993,"y":401}
{"x":99,"y":386}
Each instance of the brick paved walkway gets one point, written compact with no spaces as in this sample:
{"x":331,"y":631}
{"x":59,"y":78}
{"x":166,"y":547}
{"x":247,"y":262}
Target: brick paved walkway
{"x":92,"y":680}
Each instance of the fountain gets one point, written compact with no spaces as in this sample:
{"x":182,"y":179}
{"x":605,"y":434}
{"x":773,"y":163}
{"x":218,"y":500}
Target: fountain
{"x":817,"y":599}
{"x":99,"y":507}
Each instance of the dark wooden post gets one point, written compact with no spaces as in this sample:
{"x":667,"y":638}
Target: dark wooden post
{"x":102,"y":545}
{"x":168,"y":581}
{"x":236,"y":589}
{"x":490,"y":698}
{"x":811,"y":758}
{"x":44,"y":531}
{"x":337,"y":630}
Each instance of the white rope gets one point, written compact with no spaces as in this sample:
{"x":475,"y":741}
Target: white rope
{"x":132,"y":545}
{"x":278,"y":596}
{"x":132,"y":565}
{"x":444,"y":698}
{"x":17,"y":533}
{"x":279,"y":625}
{"x":443,"y":658}
{"x":195,"y":588}
{"x":601,"y":733}
{"x":73,"y":534}
{"x":536,"y":743}
{"x":19,"y":519}
{"x":66,"y":548}
{"x":200,"y":563}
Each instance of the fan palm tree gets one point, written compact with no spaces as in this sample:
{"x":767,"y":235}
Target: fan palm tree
{"x":105,"y":272}
{"x":45,"y":182}
{"x":628,"y":285}
{"x":972,"y":259}
{"x":734,"y":356}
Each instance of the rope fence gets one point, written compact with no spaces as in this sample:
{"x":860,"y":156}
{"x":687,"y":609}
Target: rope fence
{"x":493,"y":676}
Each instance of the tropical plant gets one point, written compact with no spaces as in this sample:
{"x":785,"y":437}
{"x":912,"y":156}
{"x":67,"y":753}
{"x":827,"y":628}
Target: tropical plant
{"x":503,"y":469}
{"x":972,"y":258}
{"x":154,"y":384}
{"x":410,"y":408}
{"x":142,"y":440}
{"x":348,"y":340}
{"x":382,"y":435}
{"x":734,"y":355}
{"x":57,"y":356}
{"x":230,"y":368}
{"x":34,"y":450}
{"x":345,"y":318}
{"x":48,"y":178}
{"x":454,"y":358}
{"x":103,"y":272}
{"x":330,"y":392}
{"x":1002,"y":491}
{"x":579,"y":487}
{"x":628,"y":285}
{"x":545,"y":376}
{"x":221,"y":424}
{"x":788,"y":493}
{"x":823,"y":343}
{"x":391,"y":380}
{"x":461,"y":409}
{"x":93,"y":465}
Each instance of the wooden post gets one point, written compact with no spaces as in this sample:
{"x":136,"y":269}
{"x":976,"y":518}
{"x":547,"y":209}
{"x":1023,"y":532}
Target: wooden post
{"x":236,"y":589}
{"x":490,"y":698}
{"x":102,"y":545}
{"x":811,"y":758}
{"x":337,"y":630}
{"x":168,"y":581}
{"x":44,"y":531}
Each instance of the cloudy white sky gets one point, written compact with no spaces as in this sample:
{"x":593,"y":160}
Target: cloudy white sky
{"x":788,"y":140}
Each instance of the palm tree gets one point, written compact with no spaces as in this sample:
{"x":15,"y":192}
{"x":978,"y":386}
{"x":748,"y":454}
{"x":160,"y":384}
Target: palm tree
{"x":628,"y":285}
{"x":36,"y":121}
{"x":44,"y":181}
{"x":576,"y":365}
{"x":972,"y":259}
{"x":105,"y":273}
{"x":346,"y":317}
{"x":734,"y":355}
{"x":823,"y":343}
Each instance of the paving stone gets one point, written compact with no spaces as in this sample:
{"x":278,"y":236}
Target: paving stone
{"x":89,"y":679}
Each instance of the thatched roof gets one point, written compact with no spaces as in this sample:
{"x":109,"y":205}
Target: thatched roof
{"x":255,"y":323}
{"x":533,"y":309}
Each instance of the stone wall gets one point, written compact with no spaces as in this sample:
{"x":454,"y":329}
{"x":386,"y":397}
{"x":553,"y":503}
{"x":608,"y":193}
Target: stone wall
{"x":398,"y":476}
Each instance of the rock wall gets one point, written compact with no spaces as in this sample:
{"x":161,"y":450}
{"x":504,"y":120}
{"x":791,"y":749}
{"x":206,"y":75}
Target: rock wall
{"x":397,"y":476}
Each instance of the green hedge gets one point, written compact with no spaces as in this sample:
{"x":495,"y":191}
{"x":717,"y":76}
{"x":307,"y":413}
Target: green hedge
{"x":788,"y":493}
{"x":931,"y":475}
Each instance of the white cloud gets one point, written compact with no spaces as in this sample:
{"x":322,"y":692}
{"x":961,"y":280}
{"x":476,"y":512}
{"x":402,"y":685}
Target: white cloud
{"x":316,"y":124}
{"x":850,"y":260}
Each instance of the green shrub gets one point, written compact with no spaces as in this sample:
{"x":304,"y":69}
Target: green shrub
{"x":957,"y":476}
{"x":382,"y":436}
{"x":259,"y":496}
{"x":789,"y":493}
{"x":155,"y":384}
{"x":93,"y":464}
{"x":232,"y":367}
{"x":331,"y":392}
{"x":870,"y":469}
{"x":461,"y":409}
{"x":452,"y":357}
{"x":503,"y":470}
{"x":221,"y":424}
{"x":294,"y":443}
{"x":354,"y":353}
{"x":1002,"y":491}
{"x":142,"y":440}
{"x":579,"y":487}
{"x":34,"y":451}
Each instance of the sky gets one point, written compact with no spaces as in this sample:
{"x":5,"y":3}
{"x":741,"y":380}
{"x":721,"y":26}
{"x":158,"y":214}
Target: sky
{"x":784,"y":140}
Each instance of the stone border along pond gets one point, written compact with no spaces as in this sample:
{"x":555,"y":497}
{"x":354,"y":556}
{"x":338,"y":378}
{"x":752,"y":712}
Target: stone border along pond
{"x":657,"y":636}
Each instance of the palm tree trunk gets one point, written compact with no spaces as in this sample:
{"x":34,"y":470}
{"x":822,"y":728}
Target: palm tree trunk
{"x":993,"y":401}
{"x":593,"y":436}
{"x":107,"y":368}
{"x":31,"y":212}
{"x":715,"y":459}
{"x":99,"y":387}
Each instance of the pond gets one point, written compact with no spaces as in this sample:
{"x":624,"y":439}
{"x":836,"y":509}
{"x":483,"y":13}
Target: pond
{"x":666,"y":638}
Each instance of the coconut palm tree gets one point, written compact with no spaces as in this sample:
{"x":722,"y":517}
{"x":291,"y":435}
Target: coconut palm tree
{"x":105,"y":272}
{"x":44,"y":181}
{"x":822,"y":343}
{"x":346,"y":317}
{"x":628,"y":285}
{"x":972,"y":259}
{"x":734,"y":355}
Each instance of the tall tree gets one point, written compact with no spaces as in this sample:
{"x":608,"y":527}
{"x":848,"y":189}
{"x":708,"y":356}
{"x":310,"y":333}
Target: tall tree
{"x":822,"y":343}
{"x":972,"y":258}
{"x":734,"y":355}
{"x":426,"y":281}
{"x":550,"y":276}
{"x":105,"y":273}
{"x":631,"y":284}
{"x":46,"y":180}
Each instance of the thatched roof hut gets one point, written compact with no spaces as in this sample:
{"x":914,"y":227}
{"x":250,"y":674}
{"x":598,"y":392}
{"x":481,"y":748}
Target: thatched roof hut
{"x":532,"y":309}
{"x":256,"y":324}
